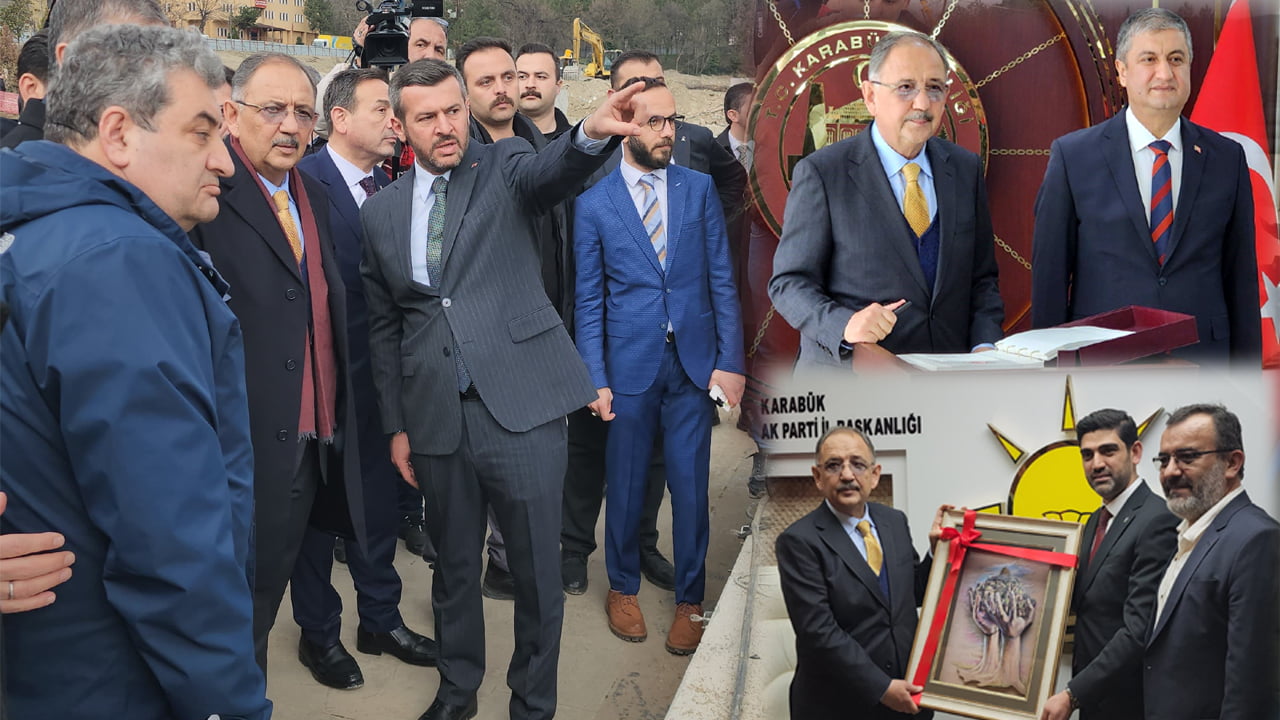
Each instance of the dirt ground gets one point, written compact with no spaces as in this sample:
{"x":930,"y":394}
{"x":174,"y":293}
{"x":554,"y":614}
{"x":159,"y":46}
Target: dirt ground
{"x":700,"y":98}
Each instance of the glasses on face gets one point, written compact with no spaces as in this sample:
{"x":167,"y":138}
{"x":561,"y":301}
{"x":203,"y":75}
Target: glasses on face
{"x":1184,"y":458}
{"x":835,"y":467}
{"x":275,"y":114}
{"x":657,"y":122}
{"x":907,"y":91}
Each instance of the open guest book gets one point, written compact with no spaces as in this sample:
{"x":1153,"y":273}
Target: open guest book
{"x":1032,"y":348}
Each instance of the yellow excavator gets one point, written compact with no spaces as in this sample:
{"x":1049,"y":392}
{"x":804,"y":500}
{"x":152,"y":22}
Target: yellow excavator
{"x":601,"y":59}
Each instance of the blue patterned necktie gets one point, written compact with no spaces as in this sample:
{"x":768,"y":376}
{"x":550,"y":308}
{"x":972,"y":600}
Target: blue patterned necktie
{"x":435,"y":244}
{"x":651,"y":216}
{"x":1161,"y":199}
{"x":369,"y":185}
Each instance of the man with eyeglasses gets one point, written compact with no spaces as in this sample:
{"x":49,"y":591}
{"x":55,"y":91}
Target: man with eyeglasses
{"x":271,"y":241}
{"x":1127,"y":545}
{"x":1214,"y":648}
{"x":887,"y":237}
{"x":658,"y":326}
{"x":852,"y":580}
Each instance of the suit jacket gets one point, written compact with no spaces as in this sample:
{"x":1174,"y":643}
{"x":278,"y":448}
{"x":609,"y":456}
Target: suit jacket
{"x":489,"y":300}
{"x":625,"y":299}
{"x":723,"y":140}
{"x":846,"y":244}
{"x":273,"y":304}
{"x":1092,"y":250}
{"x":30,"y":125}
{"x":1114,"y":599}
{"x":344,"y":227}
{"x":1213,"y":653}
{"x":850,"y":639}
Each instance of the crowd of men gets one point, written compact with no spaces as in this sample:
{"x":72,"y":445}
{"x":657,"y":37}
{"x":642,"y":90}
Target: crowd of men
{"x":230,"y":334}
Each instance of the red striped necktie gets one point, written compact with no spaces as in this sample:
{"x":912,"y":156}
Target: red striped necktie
{"x":1161,"y":199}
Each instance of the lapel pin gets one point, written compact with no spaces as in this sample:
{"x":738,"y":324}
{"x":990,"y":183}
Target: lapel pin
{"x":474,"y":164}
{"x":1197,"y":147}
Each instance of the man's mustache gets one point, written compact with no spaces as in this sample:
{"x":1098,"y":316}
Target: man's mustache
{"x":285,"y":141}
{"x":531,"y":92}
{"x":500,"y":100}
{"x":921,"y":115}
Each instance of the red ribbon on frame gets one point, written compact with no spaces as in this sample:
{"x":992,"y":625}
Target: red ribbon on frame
{"x":961,"y":540}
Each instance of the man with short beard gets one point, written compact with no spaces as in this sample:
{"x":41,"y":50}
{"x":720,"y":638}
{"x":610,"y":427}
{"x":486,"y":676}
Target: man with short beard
{"x":653,"y":267}
{"x":271,"y":240}
{"x":1214,"y":649}
{"x":1127,"y":545}
{"x":539,"y":80}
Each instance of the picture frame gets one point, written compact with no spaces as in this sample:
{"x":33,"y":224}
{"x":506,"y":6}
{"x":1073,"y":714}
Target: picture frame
{"x":994,"y":615}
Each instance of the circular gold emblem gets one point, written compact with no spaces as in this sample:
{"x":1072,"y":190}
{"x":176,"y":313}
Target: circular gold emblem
{"x":812,"y":98}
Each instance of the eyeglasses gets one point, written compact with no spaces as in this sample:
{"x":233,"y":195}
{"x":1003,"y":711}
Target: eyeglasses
{"x":1185,"y":458}
{"x":657,"y":122}
{"x":275,"y":114}
{"x":834,"y":467}
{"x":907,"y":91}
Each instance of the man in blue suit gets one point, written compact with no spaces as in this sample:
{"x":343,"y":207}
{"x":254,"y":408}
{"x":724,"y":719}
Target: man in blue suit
{"x":1150,"y":209}
{"x":360,"y":137}
{"x":1214,"y":648}
{"x":658,"y":325}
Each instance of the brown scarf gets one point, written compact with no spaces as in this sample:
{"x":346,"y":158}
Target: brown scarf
{"x":319,"y":367}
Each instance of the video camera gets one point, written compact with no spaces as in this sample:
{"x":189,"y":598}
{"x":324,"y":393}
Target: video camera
{"x":387,"y":43}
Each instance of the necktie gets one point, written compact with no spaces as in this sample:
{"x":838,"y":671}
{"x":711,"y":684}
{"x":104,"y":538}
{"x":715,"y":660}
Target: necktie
{"x":435,"y":242}
{"x":745,"y":154}
{"x":914,"y":204}
{"x":1104,"y":517}
{"x":652,"y":218}
{"x":875,"y":556}
{"x":1161,"y":198}
{"x":369,"y":186}
{"x":281,"y":199}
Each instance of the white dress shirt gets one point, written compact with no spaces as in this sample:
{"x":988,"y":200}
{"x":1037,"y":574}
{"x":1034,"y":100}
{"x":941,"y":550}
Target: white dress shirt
{"x":351,"y":175}
{"x":1144,"y":158}
{"x":631,"y":176}
{"x":850,"y":525}
{"x":1188,"y":537}
{"x":1117,"y":504}
{"x":423,"y":200}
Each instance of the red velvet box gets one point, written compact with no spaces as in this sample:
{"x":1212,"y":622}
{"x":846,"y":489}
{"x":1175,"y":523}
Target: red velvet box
{"x":1154,"y":332}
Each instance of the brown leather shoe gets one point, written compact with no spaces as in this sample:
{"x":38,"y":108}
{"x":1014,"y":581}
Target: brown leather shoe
{"x":685,"y":633}
{"x":625,"y":619}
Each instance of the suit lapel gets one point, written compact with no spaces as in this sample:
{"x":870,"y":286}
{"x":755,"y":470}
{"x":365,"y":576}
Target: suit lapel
{"x":1119,"y":159}
{"x":401,"y":219}
{"x":1116,"y":530}
{"x":675,"y":210}
{"x":833,"y":534}
{"x":1192,"y":170}
{"x":461,"y":183}
{"x":681,"y":153}
{"x":867,"y":174}
{"x":243,"y":196}
{"x":626,"y":209}
{"x":944,"y":188}
{"x":337,"y":190}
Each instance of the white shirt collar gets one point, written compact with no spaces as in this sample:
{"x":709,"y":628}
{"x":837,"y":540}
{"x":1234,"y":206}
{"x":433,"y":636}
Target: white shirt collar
{"x":1140,"y":137}
{"x":1117,"y":504}
{"x":351,"y":175}
{"x":632,"y":174}
{"x":848,"y":521}
{"x":1189,"y":533}
{"x":423,"y":179}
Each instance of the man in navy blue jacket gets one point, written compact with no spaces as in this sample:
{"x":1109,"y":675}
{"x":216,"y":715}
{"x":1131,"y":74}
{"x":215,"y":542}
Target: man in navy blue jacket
{"x":125,"y":413}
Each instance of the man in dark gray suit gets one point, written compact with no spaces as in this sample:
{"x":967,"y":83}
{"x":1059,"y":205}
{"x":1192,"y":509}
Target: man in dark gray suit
{"x":1127,"y":545}
{"x":892,"y":214}
{"x":474,"y":369}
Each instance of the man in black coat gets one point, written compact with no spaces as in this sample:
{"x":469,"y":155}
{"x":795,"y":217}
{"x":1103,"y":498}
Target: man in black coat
{"x":271,"y":242}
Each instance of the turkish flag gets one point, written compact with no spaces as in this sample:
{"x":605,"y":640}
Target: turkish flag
{"x":1230,"y":102}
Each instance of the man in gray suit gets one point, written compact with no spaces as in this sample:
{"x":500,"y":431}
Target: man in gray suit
{"x":887,"y":237}
{"x":474,"y":369}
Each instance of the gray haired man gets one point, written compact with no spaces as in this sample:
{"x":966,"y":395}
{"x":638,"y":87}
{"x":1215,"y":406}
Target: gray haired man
{"x":123,"y":379}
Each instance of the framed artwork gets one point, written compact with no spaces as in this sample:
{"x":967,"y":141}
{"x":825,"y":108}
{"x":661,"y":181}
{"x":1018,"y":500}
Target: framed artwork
{"x":995,"y":615}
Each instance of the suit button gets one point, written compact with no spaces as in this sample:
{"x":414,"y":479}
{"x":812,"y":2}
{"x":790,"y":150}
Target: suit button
{"x":282,"y":435}
{"x":446,"y":352}
{"x":446,"y":302}
{"x":668,"y":290}
{"x":290,"y":365}
{"x":1163,"y":281}
{"x":291,"y":294}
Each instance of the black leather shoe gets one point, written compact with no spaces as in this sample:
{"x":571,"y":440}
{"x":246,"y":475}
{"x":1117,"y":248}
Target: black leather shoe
{"x":441,"y":710}
{"x":332,"y":666}
{"x":573,"y":572}
{"x":340,"y":551}
{"x":413,"y":531}
{"x":498,"y":583}
{"x":657,"y":569}
{"x":401,"y":643}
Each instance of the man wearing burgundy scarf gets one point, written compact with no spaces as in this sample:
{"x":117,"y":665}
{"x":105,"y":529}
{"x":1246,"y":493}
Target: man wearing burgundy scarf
{"x":1127,"y":546}
{"x":271,"y":241}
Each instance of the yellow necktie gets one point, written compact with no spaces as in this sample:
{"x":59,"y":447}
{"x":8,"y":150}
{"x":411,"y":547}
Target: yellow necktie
{"x":875,"y":556}
{"x":286,"y":221}
{"x":914,"y":205}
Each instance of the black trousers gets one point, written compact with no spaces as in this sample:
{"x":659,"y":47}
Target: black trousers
{"x":520,"y":476}
{"x":584,"y":486}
